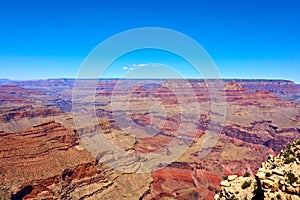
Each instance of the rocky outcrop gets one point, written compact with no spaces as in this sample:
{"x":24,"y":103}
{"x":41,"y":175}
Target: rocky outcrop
{"x":234,"y":91}
{"x":278,"y":178}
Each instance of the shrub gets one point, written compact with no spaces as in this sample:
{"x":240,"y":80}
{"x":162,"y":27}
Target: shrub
{"x":288,"y":160}
{"x":278,"y":196}
{"x":246,"y":184}
{"x":291,"y":178}
{"x":247,"y":174}
{"x":289,"y":146}
{"x":286,"y":154}
{"x":233,"y":198}
{"x":225,"y":178}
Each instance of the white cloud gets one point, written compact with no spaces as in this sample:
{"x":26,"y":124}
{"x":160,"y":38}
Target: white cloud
{"x":134,"y":66}
{"x":128,"y":68}
{"x":142,"y":65}
{"x":138,"y":65}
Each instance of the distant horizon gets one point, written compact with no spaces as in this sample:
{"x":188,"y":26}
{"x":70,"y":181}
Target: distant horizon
{"x":224,"y":79}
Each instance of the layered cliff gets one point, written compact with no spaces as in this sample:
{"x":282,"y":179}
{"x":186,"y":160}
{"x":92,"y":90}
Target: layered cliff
{"x":36,"y":153}
{"x":46,"y":161}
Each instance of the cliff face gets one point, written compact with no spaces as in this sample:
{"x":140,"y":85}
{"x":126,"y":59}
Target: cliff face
{"x":79,"y":182}
{"x":278,"y":178}
{"x":263,"y":132}
{"x":36,"y":153}
{"x":46,"y":161}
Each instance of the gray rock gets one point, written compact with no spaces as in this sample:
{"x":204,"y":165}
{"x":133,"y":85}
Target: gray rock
{"x":278,"y":172}
{"x":232,"y":177}
{"x":261,"y":175}
{"x":295,"y":197}
{"x":225,"y":183}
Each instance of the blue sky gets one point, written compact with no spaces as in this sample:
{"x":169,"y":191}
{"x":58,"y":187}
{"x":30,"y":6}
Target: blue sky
{"x":245,"y":38}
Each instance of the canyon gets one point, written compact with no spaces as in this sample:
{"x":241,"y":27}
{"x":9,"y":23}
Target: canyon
{"x":139,"y":139}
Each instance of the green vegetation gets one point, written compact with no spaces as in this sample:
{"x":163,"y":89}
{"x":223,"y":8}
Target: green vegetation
{"x":246,"y":174}
{"x":289,"y":146}
{"x":246,"y":184}
{"x":288,"y":160}
{"x":233,"y":198}
{"x":268,"y":174}
{"x":287,"y":153}
{"x":278,"y":196}
{"x":291,"y":178}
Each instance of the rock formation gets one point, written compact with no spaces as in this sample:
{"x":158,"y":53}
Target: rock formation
{"x":278,"y":178}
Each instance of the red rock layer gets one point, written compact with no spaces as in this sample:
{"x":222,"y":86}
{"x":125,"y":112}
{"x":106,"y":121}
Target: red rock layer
{"x":38,"y":153}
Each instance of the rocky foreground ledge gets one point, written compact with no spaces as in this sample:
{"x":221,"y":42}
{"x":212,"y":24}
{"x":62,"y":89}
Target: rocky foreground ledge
{"x":278,"y":178}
